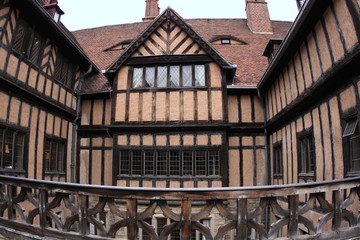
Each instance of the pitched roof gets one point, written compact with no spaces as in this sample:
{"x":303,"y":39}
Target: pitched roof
{"x":169,"y":15}
{"x":251,"y":65}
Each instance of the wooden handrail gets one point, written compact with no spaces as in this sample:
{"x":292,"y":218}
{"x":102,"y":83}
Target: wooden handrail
{"x":66,"y":210}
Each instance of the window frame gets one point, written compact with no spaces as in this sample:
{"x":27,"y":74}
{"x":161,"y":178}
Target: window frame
{"x":65,"y":71}
{"x":308,"y":173}
{"x":346,"y":138}
{"x":59,"y":142}
{"x":225,"y":41}
{"x":195,"y":83}
{"x":278,"y":168}
{"x":174,"y":163}
{"x":24,"y":42}
{"x":22,"y":169}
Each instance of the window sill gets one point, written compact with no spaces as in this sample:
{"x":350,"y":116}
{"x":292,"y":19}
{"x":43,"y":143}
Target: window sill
{"x":167,"y":88}
{"x":55,"y":173}
{"x":307,"y":176}
{"x":352,"y":174}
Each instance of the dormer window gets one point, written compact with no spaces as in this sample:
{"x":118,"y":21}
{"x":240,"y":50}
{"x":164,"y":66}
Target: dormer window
{"x":119,"y":46}
{"x":168,"y":76}
{"x":56,"y":16}
{"x":225,"y":41}
{"x":272,"y":48}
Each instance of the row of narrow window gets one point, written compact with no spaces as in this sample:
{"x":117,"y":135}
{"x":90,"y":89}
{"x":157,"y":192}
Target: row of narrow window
{"x":169,"y":163}
{"x":169,"y":76}
{"x":306,"y":152}
{"x":13,"y":145}
{"x":30,"y":44}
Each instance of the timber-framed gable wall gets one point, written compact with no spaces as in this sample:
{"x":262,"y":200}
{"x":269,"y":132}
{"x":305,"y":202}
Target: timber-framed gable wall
{"x":169,"y":81}
{"x":37,"y":95}
{"x":310,"y":99}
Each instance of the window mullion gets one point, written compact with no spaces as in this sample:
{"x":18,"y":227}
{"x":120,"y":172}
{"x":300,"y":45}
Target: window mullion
{"x":2,"y":147}
{"x":143,"y":77}
{"x":156,"y":77}
{"x":13,"y":148}
{"x":193,"y":75}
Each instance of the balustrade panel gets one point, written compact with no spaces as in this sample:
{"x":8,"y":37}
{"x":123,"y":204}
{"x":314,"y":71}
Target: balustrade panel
{"x":317,"y":210}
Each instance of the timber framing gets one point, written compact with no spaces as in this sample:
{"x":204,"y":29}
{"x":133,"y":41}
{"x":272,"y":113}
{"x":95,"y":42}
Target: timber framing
{"x":167,"y":16}
{"x":33,"y":97}
{"x":325,"y":87}
{"x":32,"y":11}
{"x":308,"y":16}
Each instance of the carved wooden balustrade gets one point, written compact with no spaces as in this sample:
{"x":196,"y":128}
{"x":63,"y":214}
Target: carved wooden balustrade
{"x":70,"y":211}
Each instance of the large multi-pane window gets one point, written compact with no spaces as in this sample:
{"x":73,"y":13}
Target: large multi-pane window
{"x":306,"y":150}
{"x":168,"y":76}
{"x":54,"y":155}
{"x":28,"y":42}
{"x":169,"y":163}
{"x":12,"y":149}
{"x":351,"y":139}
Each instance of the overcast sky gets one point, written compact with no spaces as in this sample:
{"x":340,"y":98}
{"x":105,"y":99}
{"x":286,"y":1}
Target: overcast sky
{"x":81,"y":14}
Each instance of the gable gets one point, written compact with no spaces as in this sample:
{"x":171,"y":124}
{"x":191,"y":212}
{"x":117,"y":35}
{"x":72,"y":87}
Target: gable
{"x":169,"y":39}
{"x":169,"y":35}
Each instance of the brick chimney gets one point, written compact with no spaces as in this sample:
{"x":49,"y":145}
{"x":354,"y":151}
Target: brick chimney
{"x":151,"y":11}
{"x":258,"y":16}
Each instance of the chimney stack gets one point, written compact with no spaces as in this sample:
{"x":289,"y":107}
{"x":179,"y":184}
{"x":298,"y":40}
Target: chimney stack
{"x":258,"y":16}
{"x":152,"y":10}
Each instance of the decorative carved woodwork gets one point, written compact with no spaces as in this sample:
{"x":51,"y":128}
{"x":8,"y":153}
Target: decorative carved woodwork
{"x":66,"y":210}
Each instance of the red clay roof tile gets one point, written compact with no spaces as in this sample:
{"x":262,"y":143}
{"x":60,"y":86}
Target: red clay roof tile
{"x":249,"y":60}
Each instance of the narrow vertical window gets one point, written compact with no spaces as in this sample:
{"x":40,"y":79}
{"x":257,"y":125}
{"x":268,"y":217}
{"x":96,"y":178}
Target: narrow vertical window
{"x":174,"y":76}
{"x":162,"y":77}
{"x":8,"y":154}
{"x":187,"y":162}
{"x":124,"y":162}
{"x":199,"y":75}
{"x":149,"y":77}
{"x":187,"y":76}
{"x":149,"y":163}
{"x":137,"y":78}
{"x":200,"y":163}
{"x":12,"y":149}
{"x":306,"y":154}
{"x":54,"y":155}
{"x":174,"y":163}
{"x":351,"y":140}
{"x":277,"y":160}
{"x":161,"y":164}
{"x":214,"y":163}
{"x":136,"y":163}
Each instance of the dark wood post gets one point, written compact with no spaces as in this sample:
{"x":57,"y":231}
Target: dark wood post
{"x":43,"y":197}
{"x":337,"y":210}
{"x":11,"y":192}
{"x":241,"y":228}
{"x":186,"y":218}
{"x":83,"y":204}
{"x":131,"y":225}
{"x":293,"y":218}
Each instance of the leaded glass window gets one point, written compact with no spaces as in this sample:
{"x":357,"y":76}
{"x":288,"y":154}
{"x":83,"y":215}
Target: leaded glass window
{"x":137,"y":78}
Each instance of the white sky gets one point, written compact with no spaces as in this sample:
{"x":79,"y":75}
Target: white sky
{"x":81,"y":14}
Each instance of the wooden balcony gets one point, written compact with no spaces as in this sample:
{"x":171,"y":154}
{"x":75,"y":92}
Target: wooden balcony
{"x":322,"y":210}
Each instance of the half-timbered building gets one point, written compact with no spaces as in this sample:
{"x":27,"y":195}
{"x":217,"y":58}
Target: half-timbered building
{"x":190,"y":105}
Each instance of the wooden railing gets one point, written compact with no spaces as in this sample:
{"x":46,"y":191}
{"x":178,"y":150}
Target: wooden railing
{"x":71,"y":211}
